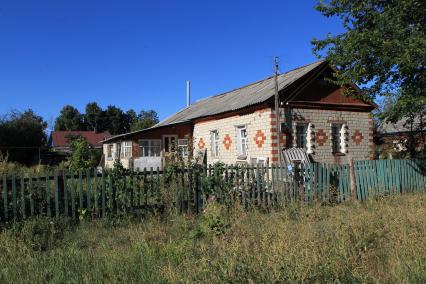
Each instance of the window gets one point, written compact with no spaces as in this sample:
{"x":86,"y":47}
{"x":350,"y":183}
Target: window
{"x":149,"y":148}
{"x":335,"y":137}
{"x":214,"y":135}
{"x":183,"y":147}
{"x":169,"y":143}
{"x":118,"y":150}
{"x":301,"y":130}
{"x":126,"y":149}
{"x":109,"y":150}
{"x":242,"y":142}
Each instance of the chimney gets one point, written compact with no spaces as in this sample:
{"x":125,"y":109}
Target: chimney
{"x":188,"y":93}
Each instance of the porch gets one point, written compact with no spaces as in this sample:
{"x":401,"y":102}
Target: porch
{"x":148,"y":148}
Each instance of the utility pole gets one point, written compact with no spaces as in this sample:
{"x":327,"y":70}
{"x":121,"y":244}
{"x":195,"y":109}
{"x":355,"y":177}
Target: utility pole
{"x":277,"y":110}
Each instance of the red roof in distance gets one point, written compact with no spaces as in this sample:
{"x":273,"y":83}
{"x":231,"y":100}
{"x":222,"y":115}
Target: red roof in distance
{"x":60,"y":138}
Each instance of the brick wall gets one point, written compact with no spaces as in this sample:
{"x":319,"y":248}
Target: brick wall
{"x":258,"y":125}
{"x":360,"y":126}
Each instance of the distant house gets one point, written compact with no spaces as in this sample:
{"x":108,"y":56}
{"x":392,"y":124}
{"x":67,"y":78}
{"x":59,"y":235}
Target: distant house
{"x":397,"y":138}
{"x":239,"y":127}
{"x":60,"y":140}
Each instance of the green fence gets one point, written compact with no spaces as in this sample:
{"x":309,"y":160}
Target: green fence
{"x":93,"y":194}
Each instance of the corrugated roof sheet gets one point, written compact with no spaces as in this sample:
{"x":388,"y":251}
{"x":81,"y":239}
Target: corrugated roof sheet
{"x":243,"y":97}
{"x":249,"y":95}
{"x":399,"y":126}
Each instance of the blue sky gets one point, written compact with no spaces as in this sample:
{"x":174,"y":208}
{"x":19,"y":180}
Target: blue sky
{"x":139,"y":54}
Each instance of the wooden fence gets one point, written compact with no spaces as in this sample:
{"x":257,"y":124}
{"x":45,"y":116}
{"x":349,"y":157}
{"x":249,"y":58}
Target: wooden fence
{"x":92,"y":194}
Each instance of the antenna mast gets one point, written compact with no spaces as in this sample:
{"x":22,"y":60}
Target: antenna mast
{"x":277,"y":109}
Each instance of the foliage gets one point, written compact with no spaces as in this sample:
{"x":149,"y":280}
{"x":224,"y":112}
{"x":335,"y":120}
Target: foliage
{"x":376,"y":242}
{"x":145,"y":119}
{"x":383,"y":49}
{"x":21,"y":134}
{"x":414,"y":140}
{"x":70,"y":119}
{"x":94,"y":117}
{"x":82,"y":155}
{"x":121,"y":186}
{"x":112,"y":119}
{"x":213,"y":221}
{"x":11,"y":168}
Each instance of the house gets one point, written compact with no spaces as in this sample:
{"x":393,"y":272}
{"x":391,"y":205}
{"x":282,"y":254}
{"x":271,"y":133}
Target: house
{"x":240,"y":126}
{"x":60,"y":140}
{"x":395,"y":140}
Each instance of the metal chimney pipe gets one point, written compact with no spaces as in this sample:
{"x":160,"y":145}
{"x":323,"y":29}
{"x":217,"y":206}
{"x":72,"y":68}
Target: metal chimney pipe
{"x":188,"y":93}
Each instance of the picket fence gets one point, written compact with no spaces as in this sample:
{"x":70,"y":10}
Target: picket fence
{"x":92,"y":194}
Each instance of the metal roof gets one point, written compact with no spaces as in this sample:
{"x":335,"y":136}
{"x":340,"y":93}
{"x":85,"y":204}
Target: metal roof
{"x":400,"y":126}
{"x":249,"y":95}
{"x":242,"y":97}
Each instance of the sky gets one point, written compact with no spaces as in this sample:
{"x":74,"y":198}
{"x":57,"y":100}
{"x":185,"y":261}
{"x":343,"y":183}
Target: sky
{"x":139,"y":54}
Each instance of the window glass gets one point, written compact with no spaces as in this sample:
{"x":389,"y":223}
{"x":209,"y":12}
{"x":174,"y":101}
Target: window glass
{"x":155,"y":148}
{"x":183,"y":147}
{"x":242,"y":141}
{"x":109,"y":150}
{"x":301,"y":131}
{"x":215,"y":143}
{"x":126,"y":149}
{"x":335,"y":137}
{"x":118,"y":151}
{"x":150,"y":148}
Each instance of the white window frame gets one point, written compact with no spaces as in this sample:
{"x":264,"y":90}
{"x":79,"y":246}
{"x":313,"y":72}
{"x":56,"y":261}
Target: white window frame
{"x":242,"y":151}
{"x":117,"y":153}
{"x":126,"y":149}
{"x":214,"y":140}
{"x":338,"y":125}
{"x":304,"y":134}
{"x":150,"y":147}
{"x":183,"y":147}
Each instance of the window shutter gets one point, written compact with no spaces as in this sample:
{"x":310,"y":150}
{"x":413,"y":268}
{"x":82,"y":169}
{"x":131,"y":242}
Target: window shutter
{"x":310,"y":134}
{"x":344,"y":134}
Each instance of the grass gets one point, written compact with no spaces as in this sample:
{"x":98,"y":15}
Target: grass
{"x":376,"y":241}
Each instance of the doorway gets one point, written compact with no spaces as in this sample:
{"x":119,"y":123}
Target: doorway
{"x":170,"y":143}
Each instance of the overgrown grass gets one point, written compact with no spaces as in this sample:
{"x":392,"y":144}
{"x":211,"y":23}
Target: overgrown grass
{"x":377,"y":241}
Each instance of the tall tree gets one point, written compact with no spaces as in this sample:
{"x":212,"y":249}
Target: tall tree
{"x":145,"y":119}
{"x":382,"y":50}
{"x":94,"y":117}
{"x":21,"y":133}
{"x":70,"y":119}
{"x":116,"y":120}
{"x":132,"y":118}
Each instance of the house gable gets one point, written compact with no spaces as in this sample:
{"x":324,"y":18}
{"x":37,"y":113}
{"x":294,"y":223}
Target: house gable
{"x":321,"y":93}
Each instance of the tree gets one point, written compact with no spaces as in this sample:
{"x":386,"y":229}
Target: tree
{"x":116,"y":121}
{"x":70,"y":119}
{"x":82,"y":156}
{"x":132,"y":118}
{"x":145,"y":119}
{"x":113,"y":119}
{"x":21,"y":134}
{"x":93,"y":117}
{"x":383,"y":50}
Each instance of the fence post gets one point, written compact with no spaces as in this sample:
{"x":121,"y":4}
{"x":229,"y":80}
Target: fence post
{"x":352,"y":177}
{"x":5,"y":202}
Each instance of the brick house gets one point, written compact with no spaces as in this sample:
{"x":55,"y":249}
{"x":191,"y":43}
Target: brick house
{"x":240,"y":126}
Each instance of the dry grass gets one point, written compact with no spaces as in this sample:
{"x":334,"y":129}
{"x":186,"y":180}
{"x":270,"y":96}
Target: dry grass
{"x":378,"y":241}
